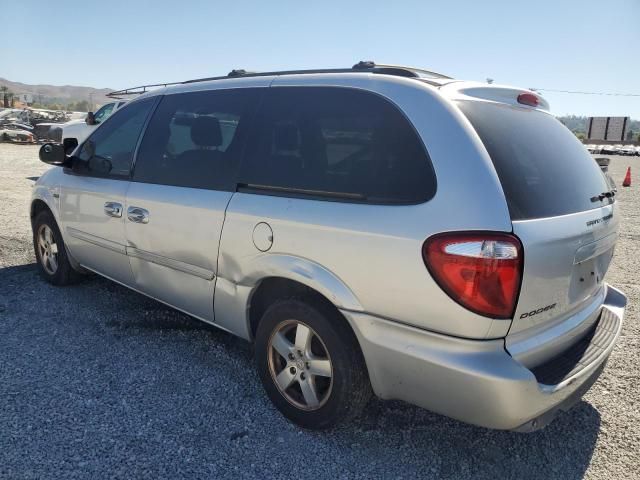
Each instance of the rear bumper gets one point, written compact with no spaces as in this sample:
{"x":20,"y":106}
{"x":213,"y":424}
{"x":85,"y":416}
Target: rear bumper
{"x":476,"y":382}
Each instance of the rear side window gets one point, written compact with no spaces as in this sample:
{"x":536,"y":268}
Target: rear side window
{"x":338,"y":143}
{"x":543,"y":168}
{"x":195,"y":139}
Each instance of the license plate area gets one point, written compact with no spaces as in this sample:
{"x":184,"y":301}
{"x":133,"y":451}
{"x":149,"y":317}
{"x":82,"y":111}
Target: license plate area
{"x":588,"y":275}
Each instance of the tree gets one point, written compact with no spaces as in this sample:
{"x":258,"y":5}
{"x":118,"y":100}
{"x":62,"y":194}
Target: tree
{"x":80,"y":106}
{"x":581,"y":136}
{"x":638,"y":139}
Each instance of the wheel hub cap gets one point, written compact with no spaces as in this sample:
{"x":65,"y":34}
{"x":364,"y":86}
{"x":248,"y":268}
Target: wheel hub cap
{"x":300,"y":365}
{"x":48,"y":249}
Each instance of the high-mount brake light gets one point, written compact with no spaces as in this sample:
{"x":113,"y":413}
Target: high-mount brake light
{"x":480,"y":271}
{"x":529,"y":99}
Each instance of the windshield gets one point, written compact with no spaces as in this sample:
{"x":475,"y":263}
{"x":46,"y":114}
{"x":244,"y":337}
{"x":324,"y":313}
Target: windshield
{"x":544,"y":169}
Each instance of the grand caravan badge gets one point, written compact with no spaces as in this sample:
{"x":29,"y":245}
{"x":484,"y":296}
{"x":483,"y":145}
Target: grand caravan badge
{"x":596,"y":221}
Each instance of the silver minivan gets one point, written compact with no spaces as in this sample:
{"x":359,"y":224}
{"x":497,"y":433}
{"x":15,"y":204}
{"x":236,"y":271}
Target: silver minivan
{"x":376,"y":229}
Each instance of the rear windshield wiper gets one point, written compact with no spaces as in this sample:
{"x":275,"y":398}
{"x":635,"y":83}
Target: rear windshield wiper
{"x":603,"y":195}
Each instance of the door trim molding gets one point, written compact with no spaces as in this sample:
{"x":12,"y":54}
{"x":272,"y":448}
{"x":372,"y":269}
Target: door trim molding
{"x":170,"y":263}
{"x":95,"y":240}
{"x":184,"y":267}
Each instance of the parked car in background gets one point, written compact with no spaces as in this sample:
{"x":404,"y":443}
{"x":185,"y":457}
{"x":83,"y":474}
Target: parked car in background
{"x":378,"y":228}
{"x":16,"y":135}
{"x":627,"y":150}
{"x":75,"y":132}
{"x":36,"y":121}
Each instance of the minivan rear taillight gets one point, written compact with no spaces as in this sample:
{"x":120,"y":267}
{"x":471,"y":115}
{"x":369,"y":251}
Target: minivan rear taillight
{"x":480,"y":271}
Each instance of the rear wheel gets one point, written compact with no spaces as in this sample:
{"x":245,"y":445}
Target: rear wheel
{"x":51,"y":255}
{"x":310,"y":363}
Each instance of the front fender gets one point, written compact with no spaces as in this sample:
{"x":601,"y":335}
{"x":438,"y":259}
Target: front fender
{"x":47,"y":190}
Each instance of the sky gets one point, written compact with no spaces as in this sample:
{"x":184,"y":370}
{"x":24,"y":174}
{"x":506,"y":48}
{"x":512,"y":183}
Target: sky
{"x":588,"y":45}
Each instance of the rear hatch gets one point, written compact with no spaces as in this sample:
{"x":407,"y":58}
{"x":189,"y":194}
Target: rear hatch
{"x":563,"y":213}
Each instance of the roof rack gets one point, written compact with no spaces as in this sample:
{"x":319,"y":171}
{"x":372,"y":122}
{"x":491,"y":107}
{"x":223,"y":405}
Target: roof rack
{"x":119,"y":94}
{"x":362,"y":66}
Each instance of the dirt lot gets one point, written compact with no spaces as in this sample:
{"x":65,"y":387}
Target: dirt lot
{"x":97,"y":381}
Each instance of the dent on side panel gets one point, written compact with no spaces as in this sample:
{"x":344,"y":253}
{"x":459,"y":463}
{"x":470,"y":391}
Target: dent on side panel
{"x":241,"y":267}
{"x":361,"y":257}
{"x":237,"y":282}
{"x":231,"y":307}
{"x":184,"y":291}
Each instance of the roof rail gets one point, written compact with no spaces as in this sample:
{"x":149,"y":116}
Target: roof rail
{"x":362,"y":66}
{"x":118,"y":94}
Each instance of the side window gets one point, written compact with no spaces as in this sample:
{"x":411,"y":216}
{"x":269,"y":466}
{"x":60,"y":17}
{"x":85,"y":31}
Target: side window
{"x":109,"y":150}
{"x":195,"y":139}
{"x":337,"y":142}
{"x":103,"y":112}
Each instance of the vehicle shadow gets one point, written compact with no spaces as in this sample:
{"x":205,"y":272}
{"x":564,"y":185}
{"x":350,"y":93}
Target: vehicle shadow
{"x":562,"y":450}
{"x":392,"y":438}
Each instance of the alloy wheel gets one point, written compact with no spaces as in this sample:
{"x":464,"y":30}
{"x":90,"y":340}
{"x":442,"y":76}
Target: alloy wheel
{"x":48,"y":249}
{"x":300,"y":365}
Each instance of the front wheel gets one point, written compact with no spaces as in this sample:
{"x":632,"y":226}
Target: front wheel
{"x":50,"y":251}
{"x":310,"y":364}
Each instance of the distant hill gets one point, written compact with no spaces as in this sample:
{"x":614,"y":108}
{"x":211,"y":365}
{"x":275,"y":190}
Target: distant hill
{"x":47,"y":95}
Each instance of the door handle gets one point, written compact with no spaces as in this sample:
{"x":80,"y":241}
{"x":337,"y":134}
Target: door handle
{"x":113,"y":209}
{"x":137,"y":215}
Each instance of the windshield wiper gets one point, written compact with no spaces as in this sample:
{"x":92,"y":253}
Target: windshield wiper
{"x":603,"y":195}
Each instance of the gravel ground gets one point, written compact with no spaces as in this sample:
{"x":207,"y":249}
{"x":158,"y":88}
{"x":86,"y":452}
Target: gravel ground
{"x":97,"y":381}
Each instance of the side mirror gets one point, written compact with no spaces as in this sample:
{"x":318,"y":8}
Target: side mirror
{"x":91,"y":119}
{"x":53,"y":154}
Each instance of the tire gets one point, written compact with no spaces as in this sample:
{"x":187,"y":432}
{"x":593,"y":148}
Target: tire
{"x":57,"y":270}
{"x":339,"y":397}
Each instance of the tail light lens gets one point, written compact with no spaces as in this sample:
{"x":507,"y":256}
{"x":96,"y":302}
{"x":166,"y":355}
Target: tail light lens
{"x":528,"y":99}
{"x":480,"y":271}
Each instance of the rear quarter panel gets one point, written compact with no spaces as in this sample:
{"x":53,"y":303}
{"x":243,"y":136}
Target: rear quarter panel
{"x":375,"y":250}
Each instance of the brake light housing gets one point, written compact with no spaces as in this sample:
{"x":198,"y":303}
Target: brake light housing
{"x":482,"y":271}
{"x":529,"y":99}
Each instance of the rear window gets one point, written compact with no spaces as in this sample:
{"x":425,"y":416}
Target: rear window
{"x":337,"y":143}
{"x":544,"y":169}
